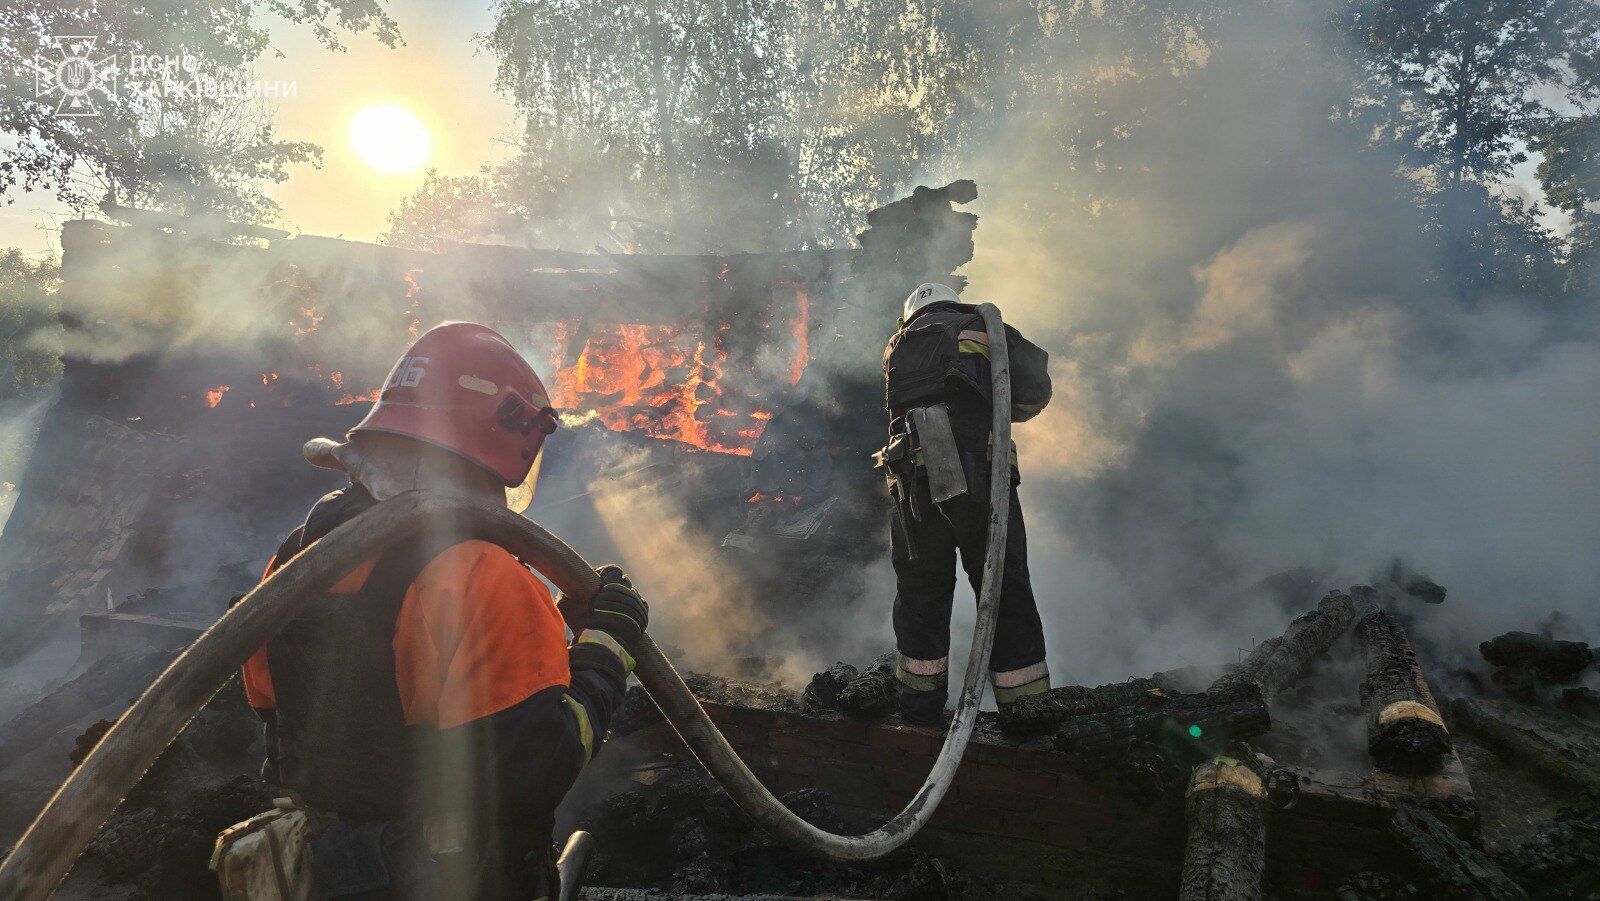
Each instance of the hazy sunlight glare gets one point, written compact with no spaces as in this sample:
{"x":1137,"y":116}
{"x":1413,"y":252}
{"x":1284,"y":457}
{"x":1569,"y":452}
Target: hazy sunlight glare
{"x":389,"y":138}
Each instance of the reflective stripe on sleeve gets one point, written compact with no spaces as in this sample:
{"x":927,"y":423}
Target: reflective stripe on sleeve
{"x":604,"y":639}
{"x":580,"y":713}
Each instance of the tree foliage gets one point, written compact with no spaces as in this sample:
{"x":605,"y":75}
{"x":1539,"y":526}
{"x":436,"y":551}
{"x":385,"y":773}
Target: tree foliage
{"x":29,"y":346}
{"x":648,"y":109}
{"x":740,"y":125}
{"x":445,"y":209}
{"x":153,"y":148}
{"x":1472,"y":77}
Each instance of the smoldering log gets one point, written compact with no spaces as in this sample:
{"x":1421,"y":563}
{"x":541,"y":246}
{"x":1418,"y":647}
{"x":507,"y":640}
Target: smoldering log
{"x":1273,"y":664}
{"x":1226,"y":852}
{"x":1405,"y":731}
{"x":1102,"y":740}
{"x":1455,"y":868}
{"x":1525,"y":744}
{"x":1039,"y":714}
{"x":1277,"y":662}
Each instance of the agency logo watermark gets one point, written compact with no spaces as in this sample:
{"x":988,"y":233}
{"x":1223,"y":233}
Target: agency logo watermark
{"x":74,"y":69}
{"x":76,"y":73}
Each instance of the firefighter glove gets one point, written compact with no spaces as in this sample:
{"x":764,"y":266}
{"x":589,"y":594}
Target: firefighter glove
{"x":618,"y":620}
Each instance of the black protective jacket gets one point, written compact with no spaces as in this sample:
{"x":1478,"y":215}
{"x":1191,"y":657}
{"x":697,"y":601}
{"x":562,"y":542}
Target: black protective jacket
{"x":941,"y":355}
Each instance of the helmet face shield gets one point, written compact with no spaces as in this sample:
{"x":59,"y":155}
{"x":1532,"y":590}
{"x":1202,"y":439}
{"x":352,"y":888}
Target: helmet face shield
{"x":520,"y":497}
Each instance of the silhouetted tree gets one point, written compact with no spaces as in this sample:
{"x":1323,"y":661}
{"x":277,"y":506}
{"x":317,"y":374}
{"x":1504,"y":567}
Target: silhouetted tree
{"x":185,"y":154}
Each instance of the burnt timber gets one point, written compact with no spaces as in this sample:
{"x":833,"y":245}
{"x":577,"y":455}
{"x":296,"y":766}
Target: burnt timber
{"x":1452,"y":867}
{"x":1278,"y":661}
{"x":1226,"y":851}
{"x":1405,"y":731}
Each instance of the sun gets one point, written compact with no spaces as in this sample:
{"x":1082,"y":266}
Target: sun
{"x":389,"y":138}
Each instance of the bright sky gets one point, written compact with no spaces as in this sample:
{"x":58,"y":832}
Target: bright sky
{"x":438,"y":75}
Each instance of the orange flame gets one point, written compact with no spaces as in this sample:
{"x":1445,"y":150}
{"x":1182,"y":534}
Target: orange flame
{"x":675,"y":384}
{"x":214,"y":396}
{"x":413,"y":310}
{"x":800,"y":331}
{"x":305,"y":320}
{"x":371,"y":397}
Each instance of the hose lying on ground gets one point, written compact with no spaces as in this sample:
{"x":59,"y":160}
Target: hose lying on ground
{"x":83,"y":803}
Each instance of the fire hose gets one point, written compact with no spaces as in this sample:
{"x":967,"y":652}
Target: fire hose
{"x":47,"y":851}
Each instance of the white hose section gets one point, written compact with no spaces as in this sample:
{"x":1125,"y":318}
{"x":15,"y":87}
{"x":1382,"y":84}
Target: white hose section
{"x":683,"y":711}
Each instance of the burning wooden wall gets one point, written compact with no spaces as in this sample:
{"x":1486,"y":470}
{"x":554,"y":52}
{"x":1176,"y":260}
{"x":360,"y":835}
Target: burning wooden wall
{"x":195,"y":365}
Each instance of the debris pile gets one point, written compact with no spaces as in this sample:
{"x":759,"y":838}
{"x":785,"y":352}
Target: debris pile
{"x":159,"y":841}
{"x":682,"y":834}
{"x":871,"y":693}
{"x":1450,"y":867}
{"x":1527,"y":665}
{"x":1562,"y":859}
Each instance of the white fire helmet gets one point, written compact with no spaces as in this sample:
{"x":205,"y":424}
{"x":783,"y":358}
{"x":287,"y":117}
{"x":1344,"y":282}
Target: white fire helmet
{"x":929,"y":293}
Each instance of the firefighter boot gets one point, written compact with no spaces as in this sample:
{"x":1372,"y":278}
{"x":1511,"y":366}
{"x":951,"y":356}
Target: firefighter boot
{"x":920,"y":708}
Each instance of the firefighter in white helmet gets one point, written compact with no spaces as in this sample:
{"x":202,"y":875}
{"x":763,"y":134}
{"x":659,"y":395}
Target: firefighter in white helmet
{"x":938,"y":395}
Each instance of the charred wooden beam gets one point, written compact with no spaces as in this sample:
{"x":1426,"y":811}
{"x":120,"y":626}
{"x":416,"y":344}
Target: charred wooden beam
{"x":1208,"y":719}
{"x":1405,"y":732}
{"x":1279,"y":661}
{"x":1525,"y":744}
{"x":1226,"y":851}
{"x":1041,"y":713}
{"x":1454,"y":868}
{"x":1273,"y":664}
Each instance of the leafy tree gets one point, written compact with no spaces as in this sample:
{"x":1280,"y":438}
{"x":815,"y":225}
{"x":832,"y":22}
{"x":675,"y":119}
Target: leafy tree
{"x":661,"y":109}
{"x":1457,"y":87}
{"x":1471,"y":77}
{"x":29,"y":352}
{"x":445,"y":209}
{"x":1570,"y":174}
{"x":185,"y":154}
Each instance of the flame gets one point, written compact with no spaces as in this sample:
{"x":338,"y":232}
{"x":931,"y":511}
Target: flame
{"x":774,"y":499}
{"x":371,"y":397}
{"x":305,"y":320}
{"x":799,"y":331}
{"x":214,"y":396}
{"x":413,"y":310}
{"x":701,"y":388}
{"x":648,"y":378}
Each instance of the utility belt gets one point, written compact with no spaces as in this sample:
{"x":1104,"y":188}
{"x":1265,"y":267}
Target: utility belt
{"x":923,"y":445}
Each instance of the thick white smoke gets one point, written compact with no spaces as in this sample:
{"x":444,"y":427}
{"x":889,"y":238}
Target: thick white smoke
{"x":1254,"y":372}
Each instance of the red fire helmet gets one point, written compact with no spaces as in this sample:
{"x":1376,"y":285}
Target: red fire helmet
{"x":464,"y":388}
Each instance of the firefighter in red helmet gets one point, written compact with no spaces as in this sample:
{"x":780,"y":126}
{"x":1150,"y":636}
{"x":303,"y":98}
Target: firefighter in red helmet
{"x":430,"y":707}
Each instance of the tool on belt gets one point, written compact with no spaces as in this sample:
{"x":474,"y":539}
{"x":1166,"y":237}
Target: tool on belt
{"x":925,"y":441}
{"x":267,"y":857}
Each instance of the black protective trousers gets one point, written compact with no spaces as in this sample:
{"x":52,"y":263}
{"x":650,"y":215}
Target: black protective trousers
{"x":925,"y":586}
